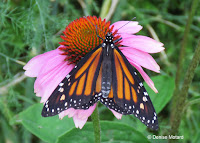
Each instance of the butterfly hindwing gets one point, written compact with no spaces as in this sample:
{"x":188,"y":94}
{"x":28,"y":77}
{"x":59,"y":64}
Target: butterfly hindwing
{"x":129,"y":92}
{"x":110,"y":103}
{"x":76,"y":90}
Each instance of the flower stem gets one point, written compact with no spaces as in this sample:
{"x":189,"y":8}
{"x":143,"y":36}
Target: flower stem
{"x":14,"y":60}
{"x":96,"y":125}
{"x":184,"y":43}
{"x":180,"y":103}
{"x":177,"y":106}
{"x":108,"y":9}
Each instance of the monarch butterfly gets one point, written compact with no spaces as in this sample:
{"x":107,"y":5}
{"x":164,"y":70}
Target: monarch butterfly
{"x":104,"y":75}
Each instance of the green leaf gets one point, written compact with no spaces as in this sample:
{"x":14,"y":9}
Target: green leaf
{"x":165,"y":86}
{"x":110,"y":132}
{"x":48,"y":129}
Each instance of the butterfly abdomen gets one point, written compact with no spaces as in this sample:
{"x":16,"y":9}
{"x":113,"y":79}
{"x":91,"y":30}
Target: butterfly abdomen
{"x":106,"y":70}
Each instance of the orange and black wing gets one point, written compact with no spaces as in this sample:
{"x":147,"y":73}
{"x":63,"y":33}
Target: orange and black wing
{"x":107,"y":101}
{"x":128,"y":93}
{"x":77,"y":89}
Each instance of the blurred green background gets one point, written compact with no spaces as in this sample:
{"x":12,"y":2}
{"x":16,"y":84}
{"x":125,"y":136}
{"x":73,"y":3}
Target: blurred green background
{"x":29,"y":28}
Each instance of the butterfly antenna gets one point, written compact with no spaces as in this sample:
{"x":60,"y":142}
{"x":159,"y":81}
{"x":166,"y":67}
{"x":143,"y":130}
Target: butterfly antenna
{"x":96,"y":28}
{"x":97,"y":32}
{"x":127,"y":23}
{"x":121,"y":27}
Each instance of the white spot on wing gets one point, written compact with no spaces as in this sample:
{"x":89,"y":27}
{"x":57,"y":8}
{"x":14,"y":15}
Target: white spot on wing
{"x":68,"y":76}
{"x":144,"y":99}
{"x":141,"y":84}
{"x":145,"y":93}
{"x":61,"y":89}
{"x":61,"y":84}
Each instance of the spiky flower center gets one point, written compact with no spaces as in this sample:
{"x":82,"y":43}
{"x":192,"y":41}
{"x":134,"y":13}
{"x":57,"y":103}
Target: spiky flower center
{"x":81,"y":36}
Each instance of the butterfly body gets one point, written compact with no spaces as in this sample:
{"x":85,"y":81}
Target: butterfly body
{"x":106,"y":80}
{"x":103,"y":75}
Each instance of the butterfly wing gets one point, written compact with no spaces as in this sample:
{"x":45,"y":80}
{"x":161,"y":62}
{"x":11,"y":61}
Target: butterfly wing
{"x":76,"y":90}
{"x":129,"y":93}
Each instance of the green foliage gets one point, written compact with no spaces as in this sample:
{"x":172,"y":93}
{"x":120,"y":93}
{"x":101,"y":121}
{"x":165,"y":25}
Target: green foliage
{"x":48,"y":129}
{"x":52,"y":129}
{"x":165,"y":86}
{"x":29,"y":28}
{"x":110,"y":132}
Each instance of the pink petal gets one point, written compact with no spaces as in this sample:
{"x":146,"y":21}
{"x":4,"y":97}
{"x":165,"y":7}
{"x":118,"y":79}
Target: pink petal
{"x":82,"y":114}
{"x":131,"y":28}
{"x":52,"y":63}
{"x":70,"y":112}
{"x":48,"y":72}
{"x":142,"y":43}
{"x":117,"y":115}
{"x":46,"y":83}
{"x":79,"y":123}
{"x":145,"y":76}
{"x":34,"y":66}
{"x":141,"y":58}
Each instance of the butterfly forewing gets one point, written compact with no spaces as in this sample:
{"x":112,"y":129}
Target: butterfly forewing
{"x":129,"y":92}
{"x":76,"y":90}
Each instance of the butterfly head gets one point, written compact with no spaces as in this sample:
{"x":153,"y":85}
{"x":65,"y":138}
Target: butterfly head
{"x":109,"y":38}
